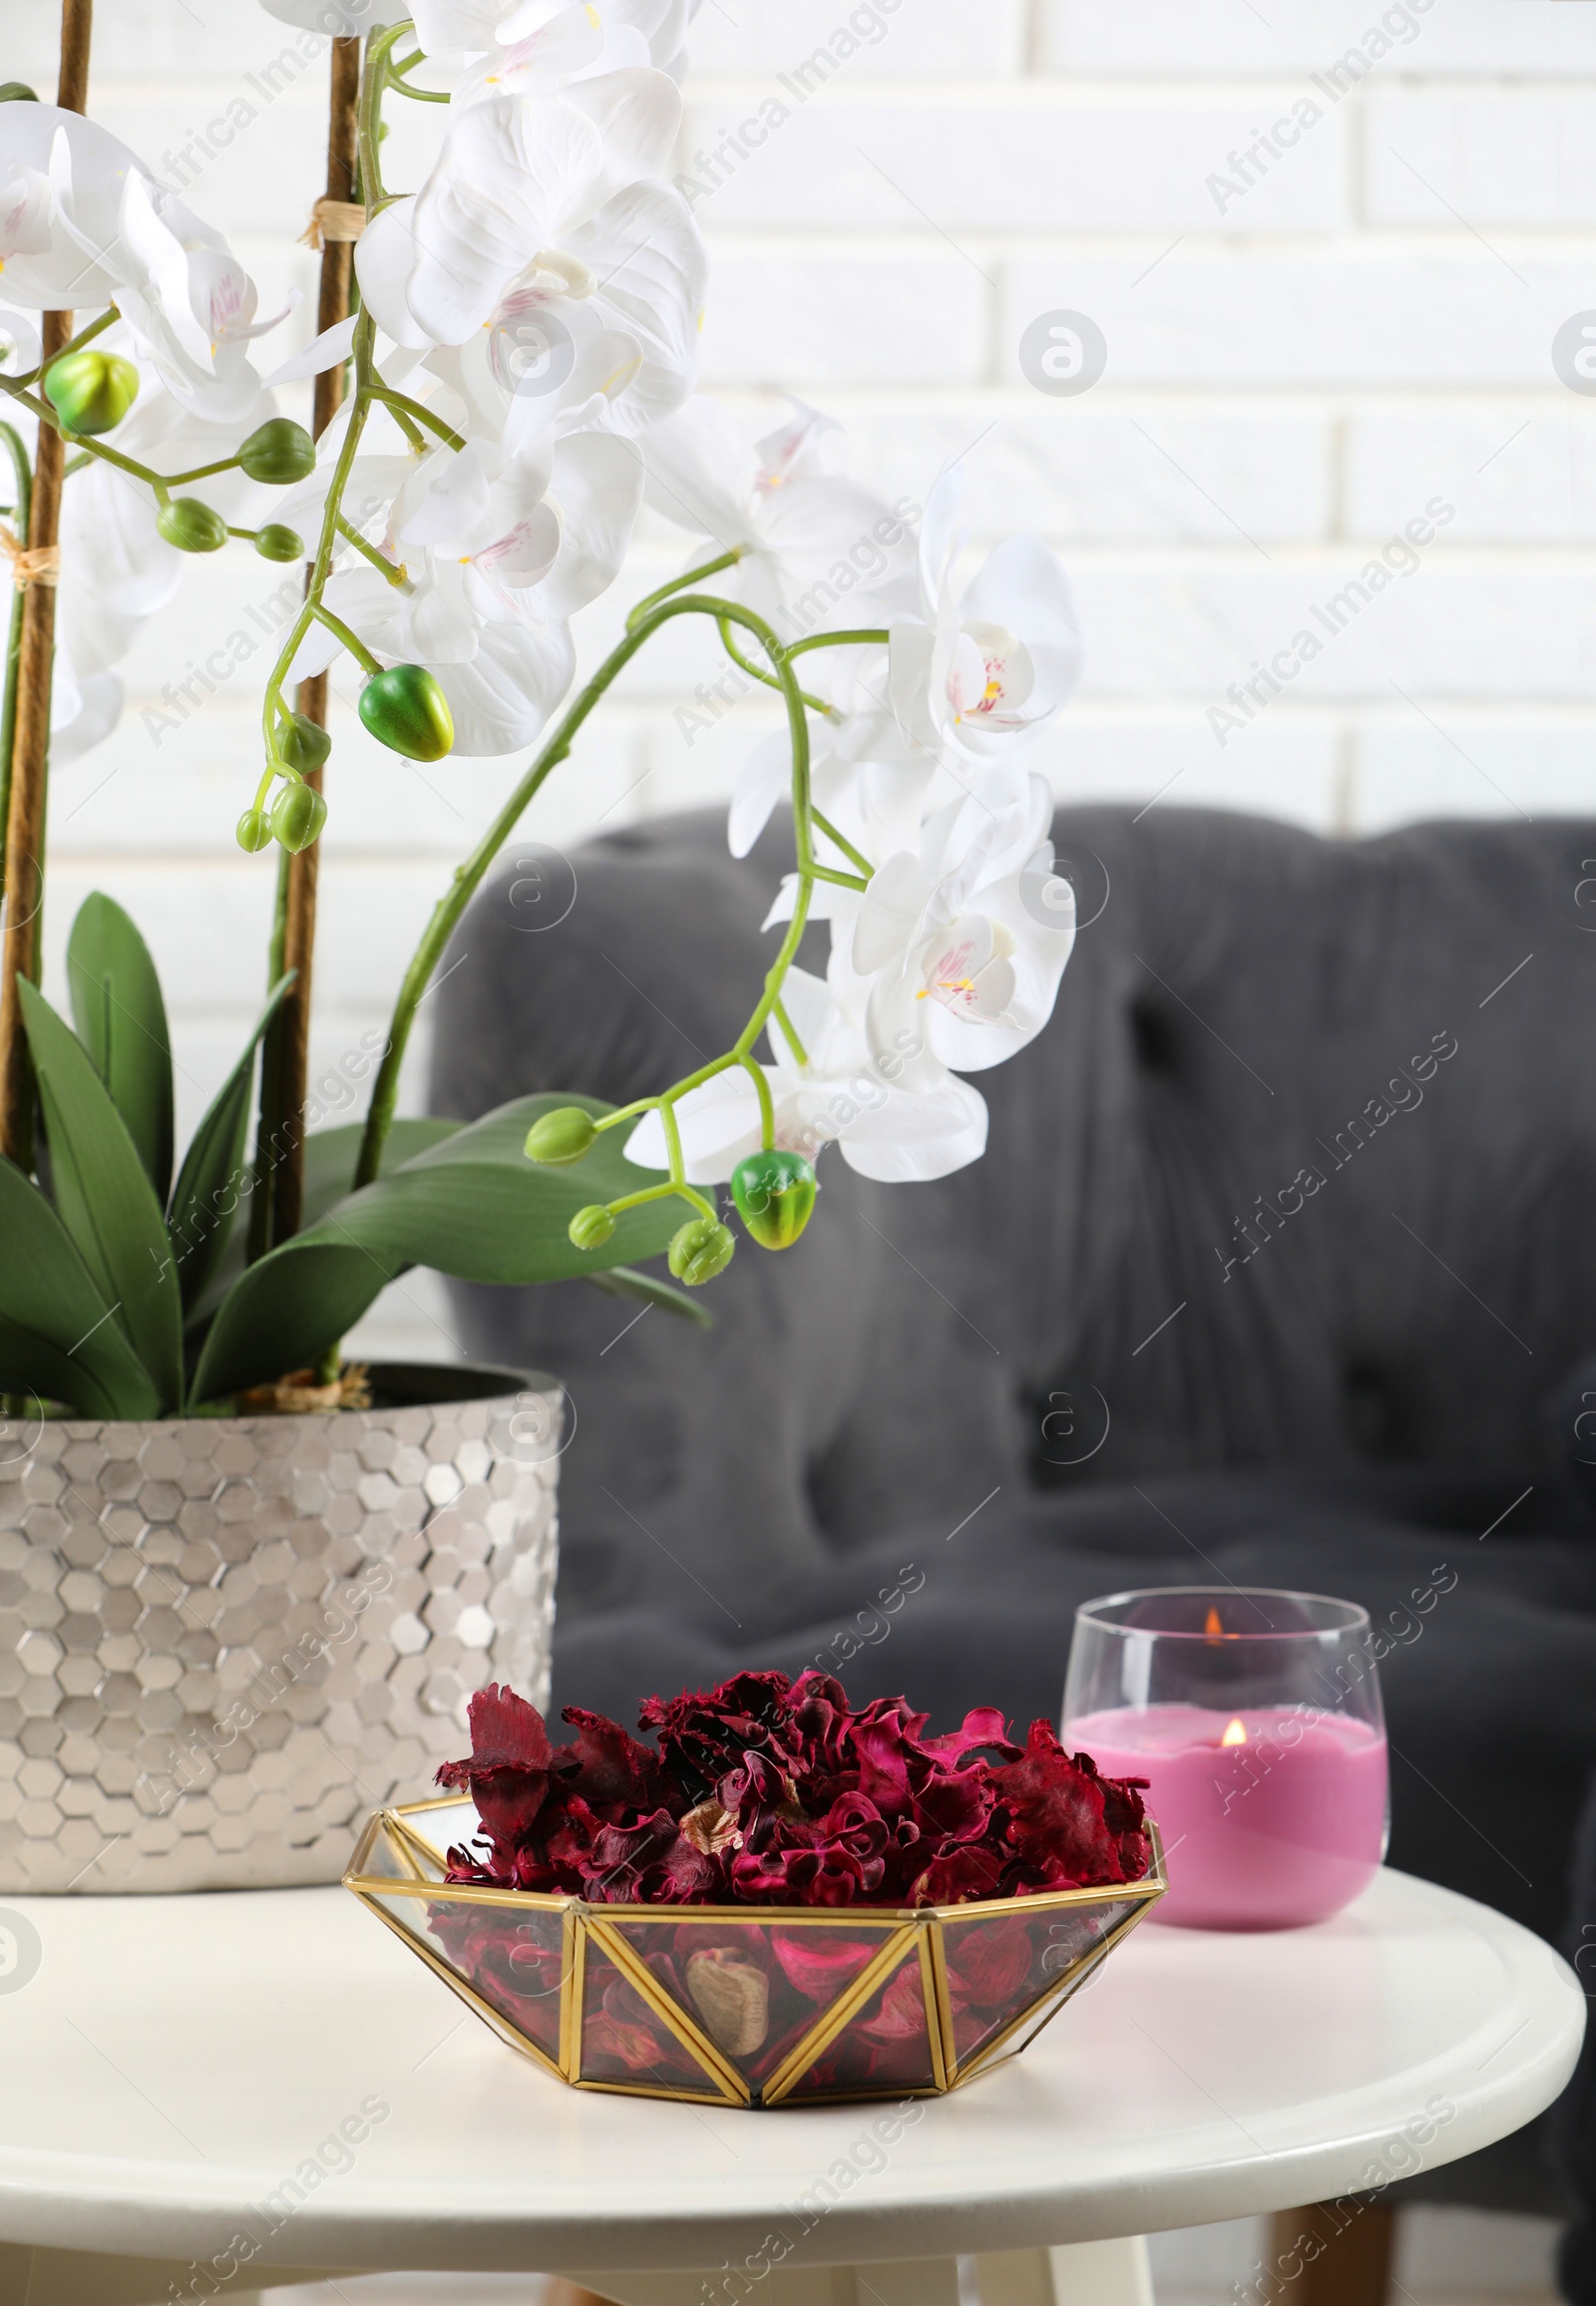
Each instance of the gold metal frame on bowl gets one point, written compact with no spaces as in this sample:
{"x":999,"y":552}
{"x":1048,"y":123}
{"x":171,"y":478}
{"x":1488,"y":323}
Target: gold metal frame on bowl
{"x":400,"y":1867}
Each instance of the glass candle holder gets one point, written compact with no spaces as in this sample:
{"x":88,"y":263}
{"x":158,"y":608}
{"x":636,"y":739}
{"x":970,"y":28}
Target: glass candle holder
{"x":1255,"y":1717}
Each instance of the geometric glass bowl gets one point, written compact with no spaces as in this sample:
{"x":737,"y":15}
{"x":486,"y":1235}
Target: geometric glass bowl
{"x":749,"y":2005}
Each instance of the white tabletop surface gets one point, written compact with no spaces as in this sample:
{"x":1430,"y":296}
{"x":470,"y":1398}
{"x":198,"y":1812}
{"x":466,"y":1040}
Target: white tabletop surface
{"x":173,"y":2060}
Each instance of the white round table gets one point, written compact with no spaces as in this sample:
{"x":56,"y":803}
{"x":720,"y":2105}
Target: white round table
{"x":209,"y":2096}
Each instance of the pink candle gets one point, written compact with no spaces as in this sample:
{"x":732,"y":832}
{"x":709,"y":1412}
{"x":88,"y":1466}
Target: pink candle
{"x":1270,"y":1817}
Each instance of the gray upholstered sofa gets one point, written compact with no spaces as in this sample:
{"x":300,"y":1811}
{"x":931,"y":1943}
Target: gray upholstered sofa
{"x":1278,"y":1269}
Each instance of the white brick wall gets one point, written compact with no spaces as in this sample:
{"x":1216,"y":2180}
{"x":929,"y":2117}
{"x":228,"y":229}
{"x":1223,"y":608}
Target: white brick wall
{"x":1295,"y":368}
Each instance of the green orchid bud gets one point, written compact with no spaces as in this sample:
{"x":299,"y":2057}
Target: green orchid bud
{"x":297,"y":815}
{"x":701,"y":1249}
{"x":301,"y":744}
{"x":774,"y":1193}
{"x":276,"y":543}
{"x":18,"y":92}
{"x":191,"y":526}
{"x":278,"y":452}
{"x":558,"y":1138}
{"x":253,"y":831}
{"x":91,"y":391}
{"x":591,"y":1227}
{"x":407,"y":711}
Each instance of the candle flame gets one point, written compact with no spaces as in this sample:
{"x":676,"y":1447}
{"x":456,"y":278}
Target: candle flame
{"x":1235,"y":1734}
{"x":1212,"y":1624}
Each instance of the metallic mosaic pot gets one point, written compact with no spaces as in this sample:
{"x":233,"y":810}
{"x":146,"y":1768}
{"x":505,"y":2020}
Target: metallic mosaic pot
{"x":222,"y":1639}
{"x":752,"y":2006}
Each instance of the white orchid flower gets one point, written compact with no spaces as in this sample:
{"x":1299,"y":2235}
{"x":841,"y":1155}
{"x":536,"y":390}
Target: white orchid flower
{"x":531,"y":47}
{"x":492,"y":558}
{"x":62,"y":179}
{"x":842,"y":1093}
{"x":977,"y":674}
{"x":865,"y":779}
{"x":818,"y":550}
{"x":604,"y":330}
{"x":560,"y":281}
{"x":82,"y":222}
{"x":963,"y":940}
{"x":189,"y":302}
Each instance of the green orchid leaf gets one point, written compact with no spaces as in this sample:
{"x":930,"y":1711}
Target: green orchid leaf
{"x":331,"y":1154}
{"x":122,"y":1022}
{"x":35,"y":1372}
{"x":623,"y":1281}
{"x":215,"y":1178}
{"x":47,"y":1296}
{"x":471,"y":1206}
{"x":104,"y":1197}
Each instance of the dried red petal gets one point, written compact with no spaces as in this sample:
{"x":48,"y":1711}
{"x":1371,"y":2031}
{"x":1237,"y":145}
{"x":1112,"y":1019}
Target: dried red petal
{"x":820,"y":1962}
{"x":988,"y":1962}
{"x":834,"y":1808}
{"x":612,"y":1770}
{"x":508,"y":1774}
{"x":1055,"y":1806}
{"x":705,"y":1733}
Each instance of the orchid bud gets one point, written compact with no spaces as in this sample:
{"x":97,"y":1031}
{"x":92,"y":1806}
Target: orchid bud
{"x":91,"y":391}
{"x":301,"y":744}
{"x":407,"y":711}
{"x":276,"y":543}
{"x":591,"y":1227}
{"x":191,"y":526}
{"x":278,"y":452}
{"x":774,"y":1193}
{"x":253,"y":831}
{"x":699,"y":1250}
{"x":297,"y":815}
{"x":561,"y":1137}
{"x":18,"y":92}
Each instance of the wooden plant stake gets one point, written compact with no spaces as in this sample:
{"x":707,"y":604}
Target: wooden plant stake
{"x":30,"y":757}
{"x":288,"y":1068}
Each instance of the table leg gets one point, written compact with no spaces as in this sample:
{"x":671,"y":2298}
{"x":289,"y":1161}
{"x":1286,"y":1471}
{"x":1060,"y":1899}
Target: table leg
{"x":1069,"y":2274}
{"x":904,"y":2282}
{"x":1072,"y":2274}
{"x":37,"y":2277}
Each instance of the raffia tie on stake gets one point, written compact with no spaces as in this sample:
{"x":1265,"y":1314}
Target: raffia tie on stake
{"x":40,"y":564}
{"x":333,"y":221}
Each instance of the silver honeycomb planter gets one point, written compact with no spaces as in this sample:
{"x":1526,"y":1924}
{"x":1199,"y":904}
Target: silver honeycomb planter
{"x":225,"y":1641}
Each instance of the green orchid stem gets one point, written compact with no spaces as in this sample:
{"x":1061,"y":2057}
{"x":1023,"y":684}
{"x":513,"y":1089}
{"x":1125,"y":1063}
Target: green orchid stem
{"x":22,"y":513}
{"x":662,"y":1193}
{"x":767,"y":1107}
{"x":377,"y":77}
{"x":815,"y":703}
{"x":402,"y":404}
{"x":260,"y":1200}
{"x":680,"y":583}
{"x":469,"y":876}
{"x":162,"y":483}
{"x":876,"y":636}
{"x":351,"y":639}
{"x":203,"y":473}
{"x":780,"y":1018}
{"x":824,"y":825}
{"x":411,"y":429}
{"x":369,"y":551}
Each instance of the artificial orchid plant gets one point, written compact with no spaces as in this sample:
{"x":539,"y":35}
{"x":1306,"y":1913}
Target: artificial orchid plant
{"x":507,"y":379}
